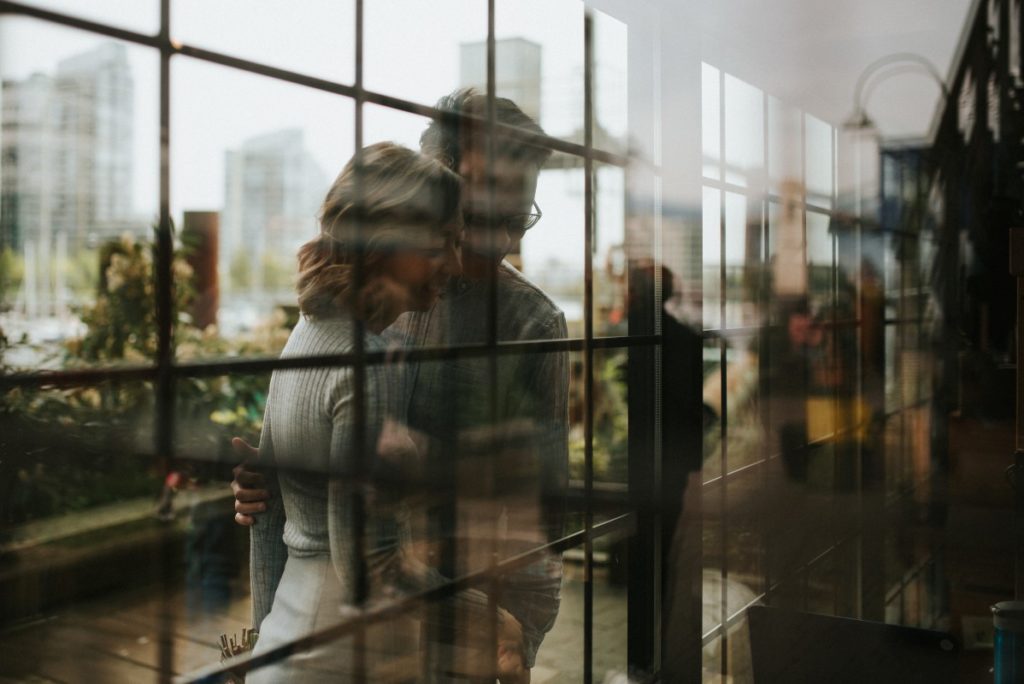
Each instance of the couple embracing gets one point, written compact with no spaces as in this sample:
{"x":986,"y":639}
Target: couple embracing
{"x":440,"y":466}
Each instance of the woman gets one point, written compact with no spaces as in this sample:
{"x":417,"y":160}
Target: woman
{"x":400,"y":218}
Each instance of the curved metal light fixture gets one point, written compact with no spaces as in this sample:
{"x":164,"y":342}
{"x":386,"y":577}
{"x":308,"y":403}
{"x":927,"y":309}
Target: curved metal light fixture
{"x":901,"y":62}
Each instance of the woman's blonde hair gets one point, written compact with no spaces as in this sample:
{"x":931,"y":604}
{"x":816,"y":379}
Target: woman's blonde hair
{"x":396,"y":195}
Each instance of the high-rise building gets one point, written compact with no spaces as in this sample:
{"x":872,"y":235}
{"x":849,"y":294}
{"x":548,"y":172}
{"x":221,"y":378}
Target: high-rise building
{"x":517,"y":71}
{"x":26,"y":177}
{"x":93,"y":112}
{"x":67,"y":151}
{"x":273,"y":189}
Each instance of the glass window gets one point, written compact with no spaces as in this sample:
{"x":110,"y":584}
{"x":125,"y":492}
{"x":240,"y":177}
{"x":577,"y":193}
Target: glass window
{"x":79,"y":167}
{"x":414,"y":391}
{"x":744,"y":133}
{"x":318,"y":41}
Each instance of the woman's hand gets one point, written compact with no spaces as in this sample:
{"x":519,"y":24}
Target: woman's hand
{"x":396,"y":445}
{"x":511,"y":669}
{"x":249,"y":486}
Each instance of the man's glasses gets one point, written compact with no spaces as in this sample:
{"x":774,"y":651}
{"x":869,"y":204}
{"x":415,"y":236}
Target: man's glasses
{"x":515,"y":224}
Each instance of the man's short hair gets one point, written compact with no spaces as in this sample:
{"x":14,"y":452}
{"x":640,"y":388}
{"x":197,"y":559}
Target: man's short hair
{"x":448,"y":136}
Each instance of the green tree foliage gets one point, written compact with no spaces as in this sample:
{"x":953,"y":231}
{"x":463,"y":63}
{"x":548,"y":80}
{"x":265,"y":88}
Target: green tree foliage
{"x":71,"y":448}
{"x":12,"y":273}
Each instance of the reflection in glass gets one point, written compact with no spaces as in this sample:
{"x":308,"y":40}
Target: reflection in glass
{"x":405,"y":61}
{"x":611,"y":257}
{"x":711,"y":246}
{"x":744,"y":133}
{"x":79,"y":200}
{"x":551,"y":253}
{"x":743,"y":260}
{"x":247,"y":183}
{"x":611,"y":87}
{"x":710,"y":120}
{"x":785,"y":137}
{"x":820,"y":265}
{"x":712,"y":406}
{"x":318,"y":41}
{"x":553,"y":48}
{"x":143,"y":16}
{"x":819,"y":161}
{"x":75,"y":460}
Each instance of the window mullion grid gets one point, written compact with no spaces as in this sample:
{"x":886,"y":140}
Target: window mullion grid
{"x":360,"y":435}
{"x":723,"y":503}
{"x":252,"y":366}
{"x":763,"y":346}
{"x":166,"y":372}
{"x":165,"y":379}
{"x":723,"y":424}
{"x":324,"y":85}
{"x":805,"y":264}
{"x":494,"y":266}
{"x":837,"y":413}
{"x":863,"y":412}
{"x":588,"y":350}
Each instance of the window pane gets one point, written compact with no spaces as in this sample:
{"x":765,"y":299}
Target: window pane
{"x":745,"y":546}
{"x":743,"y":272}
{"x":560,"y":658}
{"x":78,"y":461}
{"x":551,"y":253}
{"x":819,"y":161}
{"x":784,"y":145}
{"x":710,"y":120}
{"x":611,"y":577}
{"x":711,"y":247}
{"x":258,"y":175}
{"x":744,"y":133}
{"x":681,"y":237}
{"x":405,"y":61}
{"x":80,"y":134}
{"x":820,"y":269}
{"x":542,"y":61}
{"x":613,"y":252}
{"x":212,"y":410}
{"x":318,"y":41}
{"x":611,"y":86}
{"x":136,"y":15}
{"x":712,"y":405}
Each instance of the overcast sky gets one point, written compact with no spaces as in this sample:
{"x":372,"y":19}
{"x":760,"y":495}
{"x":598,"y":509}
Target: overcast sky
{"x":807,"y":54}
{"x":412,"y":51}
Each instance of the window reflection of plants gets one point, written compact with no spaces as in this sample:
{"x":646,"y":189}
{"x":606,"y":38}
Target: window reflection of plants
{"x":611,"y":419}
{"x":69,"y":449}
{"x":745,"y":436}
{"x":12,"y":274}
{"x":276,"y":272}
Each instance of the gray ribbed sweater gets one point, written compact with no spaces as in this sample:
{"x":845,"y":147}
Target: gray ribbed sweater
{"x":308,"y":438}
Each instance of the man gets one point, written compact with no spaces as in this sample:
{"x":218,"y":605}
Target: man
{"x":494,"y":429}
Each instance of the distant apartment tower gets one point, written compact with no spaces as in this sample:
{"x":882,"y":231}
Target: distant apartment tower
{"x":66,"y":146}
{"x":517,"y":76}
{"x":67,"y":150}
{"x":273,"y":189}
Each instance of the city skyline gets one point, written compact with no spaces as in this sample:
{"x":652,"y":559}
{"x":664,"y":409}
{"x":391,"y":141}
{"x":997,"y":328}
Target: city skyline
{"x":67,"y":149}
{"x":236,"y":106}
{"x":202,"y":143}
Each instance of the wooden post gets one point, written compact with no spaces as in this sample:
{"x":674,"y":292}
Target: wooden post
{"x":200,"y":235}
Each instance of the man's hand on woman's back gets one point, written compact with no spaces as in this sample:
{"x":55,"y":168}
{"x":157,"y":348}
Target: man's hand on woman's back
{"x":249,"y":485}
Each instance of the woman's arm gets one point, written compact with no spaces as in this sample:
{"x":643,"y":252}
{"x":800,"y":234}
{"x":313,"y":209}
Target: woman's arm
{"x":368,"y":536}
{"x":267,"y":550}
